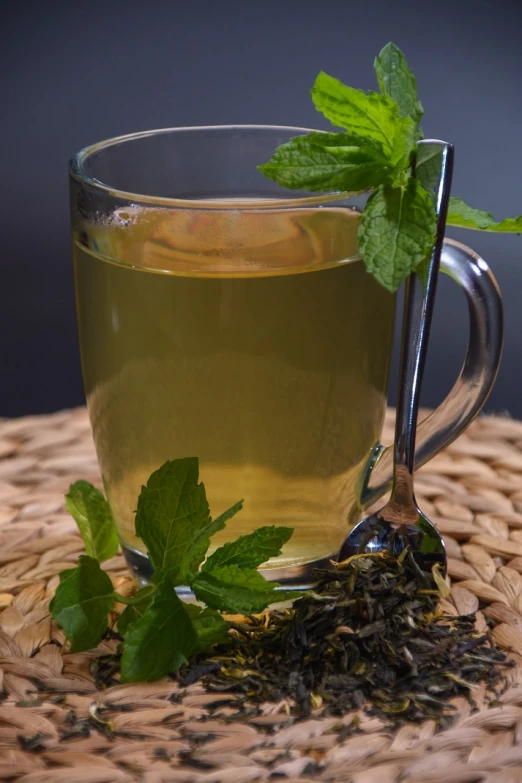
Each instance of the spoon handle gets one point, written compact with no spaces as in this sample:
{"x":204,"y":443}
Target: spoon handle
{"x":434,"y":170}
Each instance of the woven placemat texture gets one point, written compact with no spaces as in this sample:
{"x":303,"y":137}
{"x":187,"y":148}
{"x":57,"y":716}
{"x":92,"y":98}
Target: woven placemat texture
{"x":56,"y":725}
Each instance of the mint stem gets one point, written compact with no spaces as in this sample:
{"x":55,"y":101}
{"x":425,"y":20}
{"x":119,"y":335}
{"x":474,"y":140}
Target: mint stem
{"x":122,"y":599}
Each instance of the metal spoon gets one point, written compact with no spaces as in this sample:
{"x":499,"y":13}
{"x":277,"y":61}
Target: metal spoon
{"x":400,"y":522}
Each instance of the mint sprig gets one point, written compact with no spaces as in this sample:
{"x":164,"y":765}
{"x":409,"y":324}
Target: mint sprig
{"x":160,"y":632}
{"x":377,"y":150}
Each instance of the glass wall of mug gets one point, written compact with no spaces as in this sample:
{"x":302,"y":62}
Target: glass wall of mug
{"x":225,"y":318}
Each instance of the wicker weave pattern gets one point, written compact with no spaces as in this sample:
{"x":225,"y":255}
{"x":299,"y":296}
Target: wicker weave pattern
{"x":56,"y":726}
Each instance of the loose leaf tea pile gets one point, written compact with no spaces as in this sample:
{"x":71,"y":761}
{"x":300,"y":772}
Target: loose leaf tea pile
{"x":369,"y":634}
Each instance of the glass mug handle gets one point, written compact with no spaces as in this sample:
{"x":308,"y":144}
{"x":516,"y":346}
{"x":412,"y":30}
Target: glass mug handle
{"x":472,"y":388}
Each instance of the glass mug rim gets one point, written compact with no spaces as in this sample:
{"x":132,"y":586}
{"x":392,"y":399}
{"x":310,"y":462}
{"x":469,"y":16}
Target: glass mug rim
{"x":78,"y":172}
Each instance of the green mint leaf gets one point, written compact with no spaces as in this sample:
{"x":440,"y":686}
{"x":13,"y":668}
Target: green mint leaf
{"x":93,"y":516}
{"x":209,"y":626}
{"x":161,"y":640}
{"x":250,"y":551}
{"x":459,"y":214}
{"x":397,"y":232}
{"x":82,"y":602}
{"x":329,"y":161}
{"x":201,"y":541}
{"x":396,"y":79}
{"x":404,"y":145}
{"x":236,"y":590}
{"x":172,"y":514}
{"x":370,"y":115}
{"x":141,"y":602}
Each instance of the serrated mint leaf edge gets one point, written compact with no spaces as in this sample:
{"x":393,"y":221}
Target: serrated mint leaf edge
{"x":241,"y":551}
{"x":461,"y":215}
{"x":227,"y":589}
{"x":365,"y":235}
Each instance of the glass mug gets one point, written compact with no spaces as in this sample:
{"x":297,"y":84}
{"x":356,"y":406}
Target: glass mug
{"x":222,"y":319}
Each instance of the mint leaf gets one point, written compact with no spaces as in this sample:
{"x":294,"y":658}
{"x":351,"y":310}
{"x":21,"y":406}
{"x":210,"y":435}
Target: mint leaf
{"x":209,"y":626}
{"x":329,"y":161}
{"x":140,"y":602}
{"x":370,"y":115}
{"x":82,"y":602}
{"x":201,"y":542}
{"x":93,"y":516}
{"x":251,"y":550}
{"x":161,"y":640}
{"x":459,"y":214}
{"x":233,"y":589}
{"x":396,"y":232}
{"x":172,"y":514}
{"x":396,"y":79}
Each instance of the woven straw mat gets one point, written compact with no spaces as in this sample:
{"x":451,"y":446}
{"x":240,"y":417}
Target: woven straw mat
{"x":53,"y":719}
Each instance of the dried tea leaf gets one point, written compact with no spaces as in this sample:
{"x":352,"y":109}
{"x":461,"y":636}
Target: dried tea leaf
{"x":370,"y":634}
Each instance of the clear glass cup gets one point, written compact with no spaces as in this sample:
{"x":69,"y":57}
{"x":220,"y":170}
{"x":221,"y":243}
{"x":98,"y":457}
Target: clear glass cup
{"x":220,"y":318}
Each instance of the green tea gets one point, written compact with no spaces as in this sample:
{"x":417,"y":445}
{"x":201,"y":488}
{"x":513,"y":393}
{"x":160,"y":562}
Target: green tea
{"x":251,"y":338}
{"x":370,"y":635}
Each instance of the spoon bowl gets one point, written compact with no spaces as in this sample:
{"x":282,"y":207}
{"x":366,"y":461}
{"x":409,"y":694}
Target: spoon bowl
{"x":377,"y":533}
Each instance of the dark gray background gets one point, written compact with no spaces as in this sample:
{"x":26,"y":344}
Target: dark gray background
{"x":73,"y":75}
